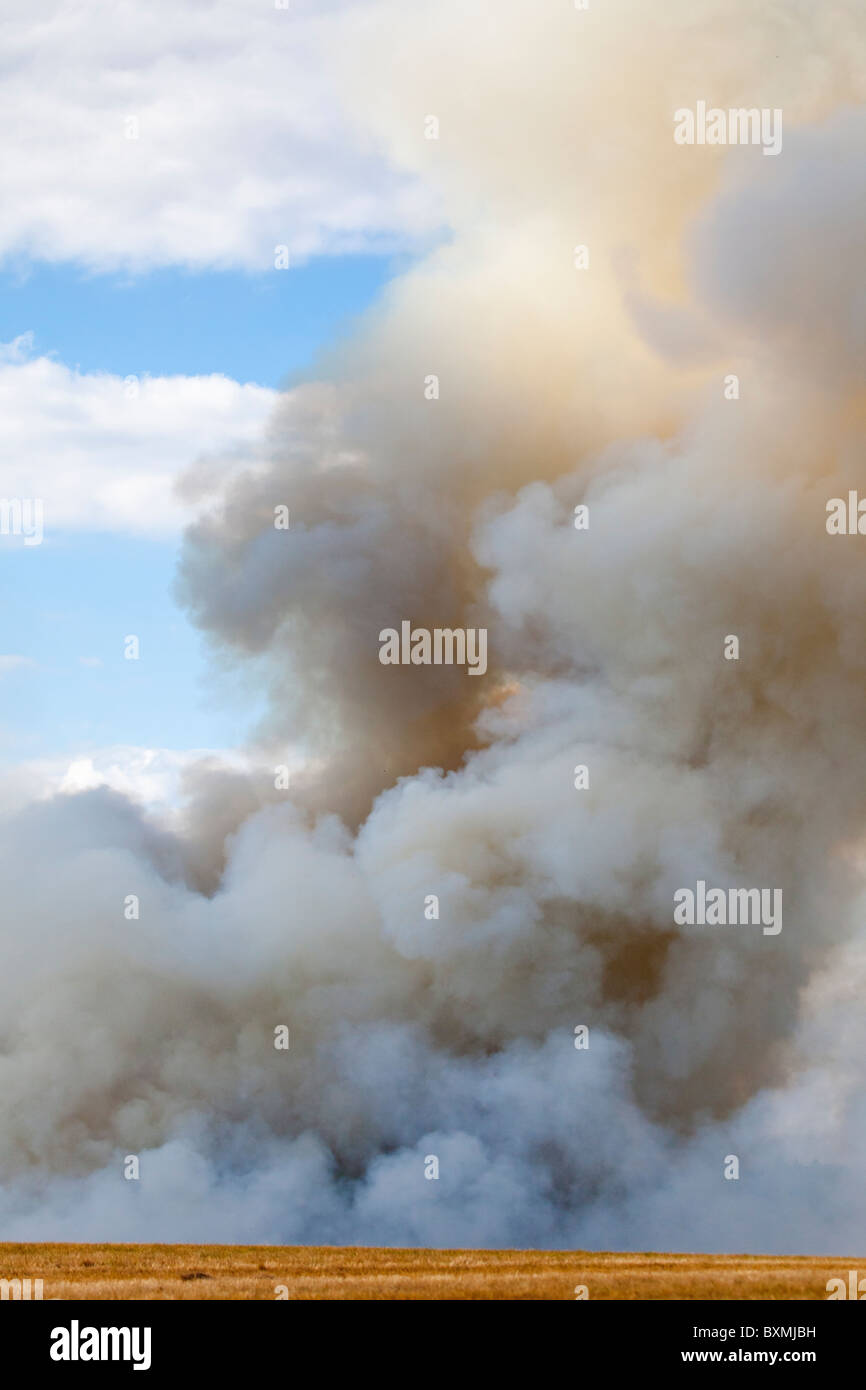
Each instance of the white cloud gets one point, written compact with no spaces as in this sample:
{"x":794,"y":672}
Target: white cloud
{"x":241,"y":144}
{"x":13,"y":663}
{"x":103,"y":452}
{"x":151,"y":776}
{"x":163,"y":781}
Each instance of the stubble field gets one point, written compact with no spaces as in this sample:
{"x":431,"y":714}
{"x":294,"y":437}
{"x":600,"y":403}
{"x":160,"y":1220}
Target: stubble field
{"x":331,"y":1272}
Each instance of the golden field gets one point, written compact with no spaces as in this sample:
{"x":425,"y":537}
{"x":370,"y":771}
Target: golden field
{"x":332,"y":1272}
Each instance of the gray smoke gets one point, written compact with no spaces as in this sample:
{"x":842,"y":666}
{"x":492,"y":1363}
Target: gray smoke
{"x":558,"y":387}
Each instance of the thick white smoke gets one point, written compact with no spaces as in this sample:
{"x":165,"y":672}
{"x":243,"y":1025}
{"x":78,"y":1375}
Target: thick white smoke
{"x":558,"y":386}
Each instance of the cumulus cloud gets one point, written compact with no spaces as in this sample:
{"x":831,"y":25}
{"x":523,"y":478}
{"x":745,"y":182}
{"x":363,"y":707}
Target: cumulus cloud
{"x":454,"y":1036}
{"x":104,"y":452}
{"x":199,"y":135}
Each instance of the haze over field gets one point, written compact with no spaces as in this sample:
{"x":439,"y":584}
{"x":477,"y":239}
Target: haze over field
{"x":558,"y":386}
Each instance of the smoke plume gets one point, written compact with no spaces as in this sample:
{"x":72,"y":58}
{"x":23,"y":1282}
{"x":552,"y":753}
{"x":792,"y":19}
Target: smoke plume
{"x":558,"y":387}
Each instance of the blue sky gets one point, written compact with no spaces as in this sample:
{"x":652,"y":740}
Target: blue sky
{"x":152,"y":169}
{"x":68,"y":604}
{"x":253,"y":327}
